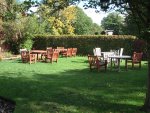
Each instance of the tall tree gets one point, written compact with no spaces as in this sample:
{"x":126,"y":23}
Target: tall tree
{"x":68,"y":16}
{"x":59,"y":18}
{"x":84,"y":24}
{"x":130,"y":27}
{"x":96,"y":29}
{"x":113,"y":22}
{"x":12,"y":14}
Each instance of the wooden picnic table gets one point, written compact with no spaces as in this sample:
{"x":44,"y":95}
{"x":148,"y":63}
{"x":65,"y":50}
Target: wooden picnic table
{"x":61,"y":50}
{"x":38,"y":52}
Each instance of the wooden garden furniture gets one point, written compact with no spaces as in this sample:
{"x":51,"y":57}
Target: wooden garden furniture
{"x":136,"y":59}
{"x":38,"y":52}
{"x":74,"y":51}
{"x":26,"y":56}
{"x":60,"y":49}
{"x":67,"y":53}
{"x":95,"y":62}
{"x":49,"y":50}
{"x":52,"y":56}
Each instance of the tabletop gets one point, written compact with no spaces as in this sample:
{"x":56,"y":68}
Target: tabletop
{"x":117,"y":56}
{"x":38,"y":51}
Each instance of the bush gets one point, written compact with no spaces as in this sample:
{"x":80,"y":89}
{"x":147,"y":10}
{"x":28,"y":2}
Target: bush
{"x":27,"y":42}
{"x":85,"y":44}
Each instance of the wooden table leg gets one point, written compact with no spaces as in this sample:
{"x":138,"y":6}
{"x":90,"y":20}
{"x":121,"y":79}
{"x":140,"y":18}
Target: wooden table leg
{"x":37,"y":56}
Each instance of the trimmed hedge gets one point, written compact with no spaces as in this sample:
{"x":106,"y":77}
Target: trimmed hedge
{"x":85,"y":44}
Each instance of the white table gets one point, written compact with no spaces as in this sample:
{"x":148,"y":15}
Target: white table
{"x":118,"y":59}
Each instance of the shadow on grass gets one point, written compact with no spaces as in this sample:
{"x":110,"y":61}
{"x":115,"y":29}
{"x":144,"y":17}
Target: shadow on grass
{"x":76,"y":91}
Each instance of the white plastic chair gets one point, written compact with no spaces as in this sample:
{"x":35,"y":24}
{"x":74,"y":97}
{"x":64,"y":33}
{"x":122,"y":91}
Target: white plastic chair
{"x":121,"y":52}
{"x":97,"y":51}
{"x":106,"y":56}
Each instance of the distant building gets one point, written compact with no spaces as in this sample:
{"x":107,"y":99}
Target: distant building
{"x":109,"y":32}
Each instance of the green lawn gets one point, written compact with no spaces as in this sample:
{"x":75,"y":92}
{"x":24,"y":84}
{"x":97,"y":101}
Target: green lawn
{"x":69,"y":87}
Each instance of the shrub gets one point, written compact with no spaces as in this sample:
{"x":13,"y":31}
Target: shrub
{"x":27,"y":42}
{"x":85,"y":44}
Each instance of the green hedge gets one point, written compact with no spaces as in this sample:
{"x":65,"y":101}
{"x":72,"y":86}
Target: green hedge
{"x":85,"y":44}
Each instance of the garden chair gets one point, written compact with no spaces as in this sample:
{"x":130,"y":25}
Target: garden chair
{"x":74,"y":51}
{"x":67,"y":53}
{"x":24,"y":56}
{"x":60,"y":49}
{"x":121,"y":51}
{"x":105,"y":56}
{"x":97,"y":51}
{"x":52,"y":56}
{"x":117,"y":52}
{"x":95,"y":62}
{"x":27,"y":57}
{"x":136,"y":59}
{"x":32,"y":58}
{"x":49,"y":51}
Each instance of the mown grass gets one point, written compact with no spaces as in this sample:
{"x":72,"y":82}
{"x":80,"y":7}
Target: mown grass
{"x":69,"y":87}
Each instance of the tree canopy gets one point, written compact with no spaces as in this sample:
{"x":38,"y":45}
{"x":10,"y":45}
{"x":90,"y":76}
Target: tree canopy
{"x":84,"y":24}
{"x":113,"y":22}
{"x":130,"y":26}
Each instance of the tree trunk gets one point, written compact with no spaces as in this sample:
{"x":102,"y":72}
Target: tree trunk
{"x":146,"y":106}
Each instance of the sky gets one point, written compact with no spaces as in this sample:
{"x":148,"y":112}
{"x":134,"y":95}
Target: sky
{"x":96,"y":17}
